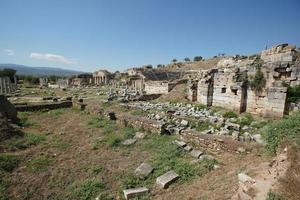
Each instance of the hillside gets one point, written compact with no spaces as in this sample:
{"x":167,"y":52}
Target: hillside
{"x":40,"y":71}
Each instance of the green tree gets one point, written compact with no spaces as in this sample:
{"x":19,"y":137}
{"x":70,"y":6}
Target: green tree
{"x":174,"y":60}
{"x":187,"y":59}
{"x":8,"y":72}
{"x":197,"y":58}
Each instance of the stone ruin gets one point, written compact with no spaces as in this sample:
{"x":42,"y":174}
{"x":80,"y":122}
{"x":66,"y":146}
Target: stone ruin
{"x":228,"y":84}
{"x":7,"y":86}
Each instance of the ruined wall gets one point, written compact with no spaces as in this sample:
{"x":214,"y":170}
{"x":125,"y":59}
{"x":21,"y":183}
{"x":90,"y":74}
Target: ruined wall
{"x":157,"y":87}
{"x":43,"y":106}
{"x":279,"y":53}
{"x":226,"y":93}
{"x":229,"y":84}
{"x":271,"y":104}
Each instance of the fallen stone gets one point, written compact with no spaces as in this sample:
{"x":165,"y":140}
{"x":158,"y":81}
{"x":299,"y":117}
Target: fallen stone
{"x":245,"y":178}
{"x":179,"y":143}
{"x":196,"y":153}
{"x":165,"y":180}
{"x":135,"y":192}
{"x":257,"y":138}
{"x":241,"y":150}
{"x":184,"y":123}
{"x":188,"y":148}
{"x":128,"y":142}
{"x":139,"y":135}
{"x":232,"y":126}
{"x":208,"y":157}
{"x":143,"y":170}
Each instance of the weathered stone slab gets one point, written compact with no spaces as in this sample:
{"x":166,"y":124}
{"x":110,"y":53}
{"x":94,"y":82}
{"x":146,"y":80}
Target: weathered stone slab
{"x":165,"y":180}
{"x":143,"y":170}
{"x":129,"y":142}
{"x":245,"y":178}
{"x":188,"y":148}
{"x":196,"y":153}
{"x":135,"y":192}
{"x":179,"y":143}
{"x":139,"y":135}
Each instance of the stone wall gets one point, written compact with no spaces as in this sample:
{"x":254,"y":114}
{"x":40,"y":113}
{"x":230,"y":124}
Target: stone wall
{"x":279,"y":53}
{"x":157,"y":87}
{"x":6,"y":86}
{"x":139,"y":122}
{"x":43,"y":106}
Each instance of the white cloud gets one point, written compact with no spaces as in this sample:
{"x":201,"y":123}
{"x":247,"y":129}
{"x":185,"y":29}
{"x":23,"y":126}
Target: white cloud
{"x":9,"y":52}
{"x":52,"y":57}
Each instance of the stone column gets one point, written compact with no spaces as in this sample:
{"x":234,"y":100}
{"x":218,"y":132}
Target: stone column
{"x":1,"y":86}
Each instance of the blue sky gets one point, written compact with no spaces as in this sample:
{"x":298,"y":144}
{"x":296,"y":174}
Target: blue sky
{"x":116,"y":34}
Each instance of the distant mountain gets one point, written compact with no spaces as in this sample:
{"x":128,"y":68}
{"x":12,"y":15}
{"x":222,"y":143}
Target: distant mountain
{"x":40,"y":71}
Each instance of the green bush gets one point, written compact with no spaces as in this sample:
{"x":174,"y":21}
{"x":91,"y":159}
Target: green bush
{"x":286,"y":129}
{"x":8,"y":162}
{"x":246,"y":119}
{"x":258,"y":82}
{"x":273,"y":196}
{"x":230,"y":114}
{"x":128,"y":132}
{"x":113,"y":140}
{"x":293,"y":94}
{"x":200,"y":126}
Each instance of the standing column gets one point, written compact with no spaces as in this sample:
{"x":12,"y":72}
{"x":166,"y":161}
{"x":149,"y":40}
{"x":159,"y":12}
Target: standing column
{"x":1,"y":86}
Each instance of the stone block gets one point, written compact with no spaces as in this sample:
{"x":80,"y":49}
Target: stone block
{"x":135,"y":192}
{"x":129,"y":142}
{"x":165,"y":180}
{"x":196,"y":153}
{"x":179,"y":143}
{"x":139,"y":135}
{"x":143,"y":170}
{"x":188,"y":148}
{"x":245,"y":178}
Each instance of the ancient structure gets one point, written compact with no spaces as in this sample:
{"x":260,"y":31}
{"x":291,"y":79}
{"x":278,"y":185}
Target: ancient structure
{"x":256,"y":84}
{"x":63,"y":83}
{"x":7,"y":86}
{"x":43,"y":81}
{"x":151,"y":81}
{"x":101,"y":77}
{"x":157,"y":87}
{"x":81,"y":79}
